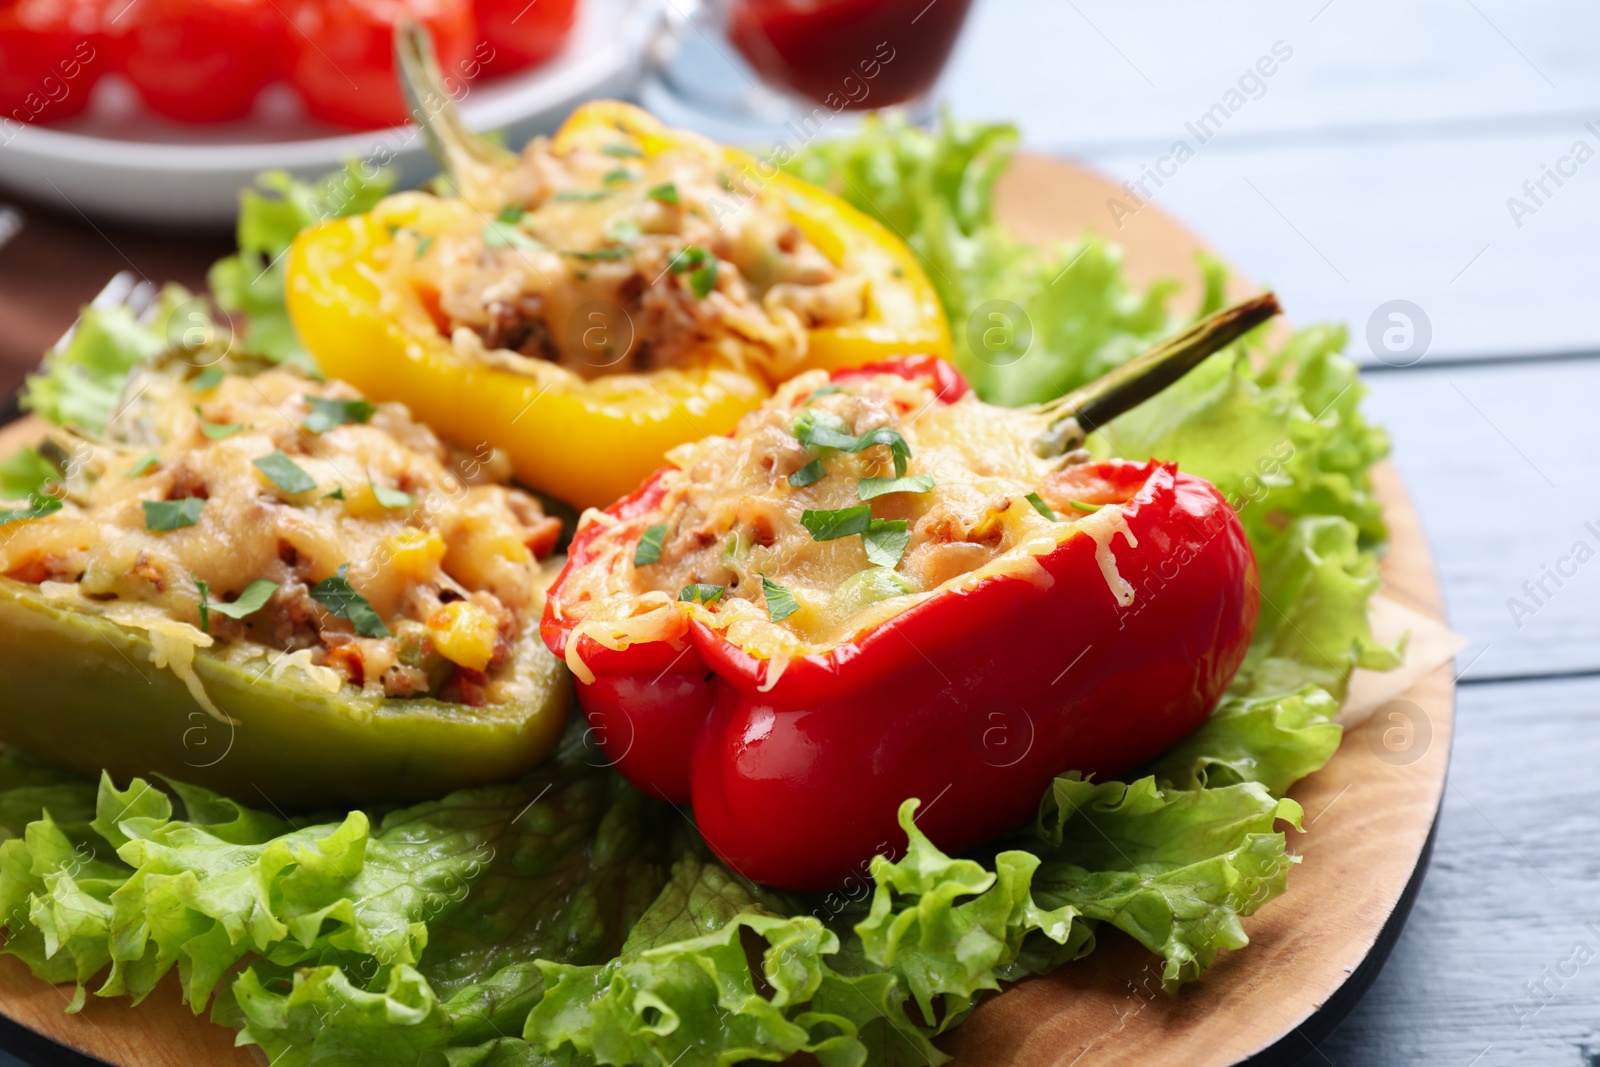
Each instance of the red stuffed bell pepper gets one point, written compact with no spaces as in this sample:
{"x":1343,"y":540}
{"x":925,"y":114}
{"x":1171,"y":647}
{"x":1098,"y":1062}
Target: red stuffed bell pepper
{"x":877,"y":588}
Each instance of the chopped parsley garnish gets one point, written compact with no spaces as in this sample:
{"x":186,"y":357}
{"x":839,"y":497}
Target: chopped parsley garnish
{"x":579,"y":196}
{"x":702,"y":281}
{"x":507,"y":234}
{"x":392,"y":498}
{"x":160,"y":515}
{"x":825,"y":430}
{"x":285,"y":473}
{"x":337,"y":494}
{"x":38,"y":507}
{"x":326,"y":413}
{"x":1040,"y":506}
{"x":1087,"y":509}
{"x":886,"y":541}
{"x":621,"y":174}
{"x":424,"y":243}
{"x":511,"y":213}
{"x":217,"y":431}
{"x":780,"y":602}
{"x":648,"y":550}
{"x":691,"y":258}
{"x":251,"y":600}
{"x":701,"y":594}
{"x":831,"y":525}
{"x":810,"y":474}
{"x":599,"y":253}
{"x":207,"y":380}
{"x":623,"y":231}
{"x":31,"y":470}
{"x":340,"y":598}
{"x":145,"y":465}
{"x":622,"y":151}
{"x":666,"y":193}
{"x":826,"y":390}
{"x":868,"y":488}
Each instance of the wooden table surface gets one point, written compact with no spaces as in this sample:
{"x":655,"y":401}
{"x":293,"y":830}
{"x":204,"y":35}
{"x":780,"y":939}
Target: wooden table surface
{"x":1384,"y":160}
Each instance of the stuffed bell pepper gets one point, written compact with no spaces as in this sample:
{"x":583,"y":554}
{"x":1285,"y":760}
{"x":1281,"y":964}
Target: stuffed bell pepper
{"x":264,"y":582}
{"x":610,"y":293}
{"x":880,"y":588}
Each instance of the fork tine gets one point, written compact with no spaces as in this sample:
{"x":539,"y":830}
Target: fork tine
{"x":142,"y":301}
{"x":117,"y":292}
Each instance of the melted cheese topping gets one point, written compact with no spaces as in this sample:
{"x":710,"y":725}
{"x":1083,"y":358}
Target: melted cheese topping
{"x":732,"y":518}
{"x":607,"y":261}
{"x":388,"y":502}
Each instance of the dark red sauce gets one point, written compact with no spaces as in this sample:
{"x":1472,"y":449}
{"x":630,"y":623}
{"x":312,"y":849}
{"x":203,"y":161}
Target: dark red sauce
{"x":849,"y":53}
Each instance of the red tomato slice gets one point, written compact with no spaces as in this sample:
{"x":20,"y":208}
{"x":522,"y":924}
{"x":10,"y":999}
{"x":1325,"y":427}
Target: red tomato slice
{"x":51,"y":54}
{"x":203,"y":60}
{"x":343,"y":57}
{"x":522,"y":32}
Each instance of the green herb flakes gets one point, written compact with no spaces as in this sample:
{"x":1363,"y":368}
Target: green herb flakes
{"x":163,"y":515}
{"x":38,"y":507}
{"x":780,"y":602}
{"x":340,"y":598}
{"x":810,"y":474}
{"x":649,"y":548}
{"x":701,"y":594}
{"x":831,"y":525}
{"x":392,"y":498}
{"x":885,"y":541}
{"x":326,"y":413}
{"x":285,"y":473}
{"x":869,"y":488}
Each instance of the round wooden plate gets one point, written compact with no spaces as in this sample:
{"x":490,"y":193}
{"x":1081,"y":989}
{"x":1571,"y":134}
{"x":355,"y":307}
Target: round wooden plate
{"x":1369,"y":814}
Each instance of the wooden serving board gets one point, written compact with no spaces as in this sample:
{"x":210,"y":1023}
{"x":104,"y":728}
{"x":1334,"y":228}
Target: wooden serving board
{"x":1368,"y":818}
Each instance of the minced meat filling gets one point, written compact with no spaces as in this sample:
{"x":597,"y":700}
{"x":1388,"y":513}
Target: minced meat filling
{"x":608,"y":261}
{"x":275,"y":479}
{"x":856,"y":501}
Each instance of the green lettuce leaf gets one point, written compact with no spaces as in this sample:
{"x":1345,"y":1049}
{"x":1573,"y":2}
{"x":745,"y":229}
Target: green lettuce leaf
{"x":80,"y":382}
{"x":251,"y":282}
{"x":1175,"y":869}
{"x":683,"y":989}
{"x":1028,"y":323}
{"x":561,"y":866}
{"x":1273,"y":741}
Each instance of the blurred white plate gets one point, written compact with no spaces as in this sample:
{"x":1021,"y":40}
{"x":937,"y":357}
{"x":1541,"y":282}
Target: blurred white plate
{"x":119,"y":162}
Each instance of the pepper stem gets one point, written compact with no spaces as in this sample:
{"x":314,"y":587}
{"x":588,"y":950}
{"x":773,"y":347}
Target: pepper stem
{"x":1091,"y":406}
{"x":473,"y":163}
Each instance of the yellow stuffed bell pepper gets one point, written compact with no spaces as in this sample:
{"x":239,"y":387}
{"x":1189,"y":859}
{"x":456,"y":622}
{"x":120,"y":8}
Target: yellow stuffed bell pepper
{"x":610,"y":294}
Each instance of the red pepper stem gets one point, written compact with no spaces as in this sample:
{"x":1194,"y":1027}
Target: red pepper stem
{"x":470,"y":160}
{"x":1091,"y":406}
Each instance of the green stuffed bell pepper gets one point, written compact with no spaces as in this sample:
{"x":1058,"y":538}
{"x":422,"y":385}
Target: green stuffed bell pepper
{"x":271,"y":586}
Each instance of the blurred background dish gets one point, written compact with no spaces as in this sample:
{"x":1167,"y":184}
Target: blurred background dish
{"x":118,"y":159}
{"x":751,"y":70}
